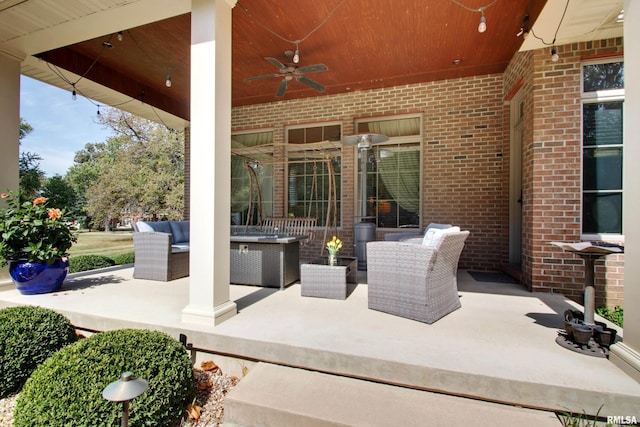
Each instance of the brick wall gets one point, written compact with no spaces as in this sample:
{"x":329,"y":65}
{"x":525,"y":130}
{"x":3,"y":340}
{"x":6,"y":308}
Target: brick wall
{"x":465,"y":175}
{"x":552,"y":180}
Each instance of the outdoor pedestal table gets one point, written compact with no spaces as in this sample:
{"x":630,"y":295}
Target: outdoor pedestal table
{"x":589,"y":252}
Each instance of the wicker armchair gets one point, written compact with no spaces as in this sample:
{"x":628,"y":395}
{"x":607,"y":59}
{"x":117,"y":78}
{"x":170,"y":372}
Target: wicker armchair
{"x":413,"y":280}
{"x":161,"y":250}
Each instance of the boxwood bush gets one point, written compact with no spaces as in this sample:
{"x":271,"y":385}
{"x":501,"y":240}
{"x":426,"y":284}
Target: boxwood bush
{"x":126,"y":258}
{"x":28,"y":336}
{"x":66,"y":390}
{"x":89,"y":262}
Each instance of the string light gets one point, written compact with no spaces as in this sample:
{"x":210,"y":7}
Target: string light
{"x":74,"y":96}
{"x":554,"y":52}
{"x":296,"y":55}
{"x":167,"y":82}
{"x":120,"y":36}
{"x":482,"y":26}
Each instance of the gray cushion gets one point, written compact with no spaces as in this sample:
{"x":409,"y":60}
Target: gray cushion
{"x":180,"y":231}
{"x":161,"y":226}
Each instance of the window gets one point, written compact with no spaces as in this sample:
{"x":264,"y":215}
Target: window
{"x":251,"y":177}
{"x":602,"y":148}
{"x":314,"y":172}
{"x":394,"y":172}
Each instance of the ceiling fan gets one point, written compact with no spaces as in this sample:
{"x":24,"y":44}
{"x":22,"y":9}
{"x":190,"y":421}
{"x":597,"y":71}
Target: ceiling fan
{"x":290,"y":71}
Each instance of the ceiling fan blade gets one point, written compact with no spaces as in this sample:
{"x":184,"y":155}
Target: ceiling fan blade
{"x":277,"y":63}
{"x":264,"y":76}
{"x":311,"y":83}
{"x":282,"y":88}
{"x":312,"y":68}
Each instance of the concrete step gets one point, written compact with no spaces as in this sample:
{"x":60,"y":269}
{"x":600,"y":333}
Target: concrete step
{"x":272,"y":395}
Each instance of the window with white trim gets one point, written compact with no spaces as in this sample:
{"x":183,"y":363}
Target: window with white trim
{"x":314,"y":170}
{"x":394,"y":178}
{"x":251,"y":177}
{"x":602,"y":148}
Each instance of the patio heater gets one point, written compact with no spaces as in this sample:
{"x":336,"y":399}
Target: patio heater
{"x":365,"y":230}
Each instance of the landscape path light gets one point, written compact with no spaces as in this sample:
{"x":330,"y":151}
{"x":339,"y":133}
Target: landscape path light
{"x":126,"y":388}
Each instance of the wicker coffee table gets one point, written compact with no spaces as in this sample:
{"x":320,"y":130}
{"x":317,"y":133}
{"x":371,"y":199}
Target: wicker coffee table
{"x":319,"y":279}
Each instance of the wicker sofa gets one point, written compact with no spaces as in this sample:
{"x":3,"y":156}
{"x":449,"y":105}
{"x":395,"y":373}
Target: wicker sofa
{"x":161,"y":249}
{"x":416,"y":278}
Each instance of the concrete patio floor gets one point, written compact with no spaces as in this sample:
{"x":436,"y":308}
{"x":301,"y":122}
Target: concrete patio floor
{"x":499,"y":347}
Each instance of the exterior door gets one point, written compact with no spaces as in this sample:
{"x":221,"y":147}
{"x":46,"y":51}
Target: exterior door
{"x":515,"y":180}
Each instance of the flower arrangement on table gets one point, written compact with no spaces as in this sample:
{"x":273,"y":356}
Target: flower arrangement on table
{"x":32,"y":231}
{"x":333,"y":246}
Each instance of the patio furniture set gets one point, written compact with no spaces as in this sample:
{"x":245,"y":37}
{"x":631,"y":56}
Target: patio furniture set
{"x":414,"y":278}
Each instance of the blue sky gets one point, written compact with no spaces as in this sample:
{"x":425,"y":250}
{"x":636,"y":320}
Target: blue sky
{"x":61,"y":126}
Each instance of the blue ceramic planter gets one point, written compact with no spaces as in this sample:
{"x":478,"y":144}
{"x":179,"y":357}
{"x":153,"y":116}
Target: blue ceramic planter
{"x":37,"y":277}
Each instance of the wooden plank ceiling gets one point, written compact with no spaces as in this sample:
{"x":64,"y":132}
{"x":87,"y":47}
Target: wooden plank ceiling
{"x":364,"y":44}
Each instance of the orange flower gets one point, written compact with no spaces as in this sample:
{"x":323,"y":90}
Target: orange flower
{"x":4,"y":196}
{"x":54,"y":213}
{"x":39,"y":201}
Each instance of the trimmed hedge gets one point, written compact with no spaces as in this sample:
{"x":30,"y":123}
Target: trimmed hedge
{"x":126,"y":258}
{"x":28,"y":336}
{"x":66,"y":390}
{"x":89,"y":262}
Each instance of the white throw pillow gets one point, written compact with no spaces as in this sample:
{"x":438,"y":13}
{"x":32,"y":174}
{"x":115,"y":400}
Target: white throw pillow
{"x":143,"y":227}
{"x":434,"y":236}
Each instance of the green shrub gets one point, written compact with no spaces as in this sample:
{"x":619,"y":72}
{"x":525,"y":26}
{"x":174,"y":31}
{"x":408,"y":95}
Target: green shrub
{"x":616,"y":316}
{"x":28,"y":336}
{"x":66,"y":390}
{"x":126,"y":258}
{"x":89,"y":262}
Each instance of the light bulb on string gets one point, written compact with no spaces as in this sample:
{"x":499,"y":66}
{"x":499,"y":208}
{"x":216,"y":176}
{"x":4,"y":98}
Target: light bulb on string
{"x":554,"y":55}
{"x":98,"y":110}
{"x":168,"y":81}
{"x":120,"y":36}
{"x":296,"y":55}
{"x":482,"y":27}
{"x":74,"y":95}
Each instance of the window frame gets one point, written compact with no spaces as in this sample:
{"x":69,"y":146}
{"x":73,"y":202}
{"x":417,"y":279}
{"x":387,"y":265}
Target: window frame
{"x":397,"y":140}
{"x":600,"y":97}
{"x":268,"y":149}
{"x":298,"y":147}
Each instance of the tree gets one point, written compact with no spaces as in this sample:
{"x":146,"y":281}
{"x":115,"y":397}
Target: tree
{"x":61,"y":195}
{"x":141,"y":169}
{"x":30,"y":174}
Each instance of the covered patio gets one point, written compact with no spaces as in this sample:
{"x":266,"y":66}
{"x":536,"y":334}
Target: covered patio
{"x":499,"y":347}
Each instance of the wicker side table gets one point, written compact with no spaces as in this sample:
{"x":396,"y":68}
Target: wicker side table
{"x":319,"y":279}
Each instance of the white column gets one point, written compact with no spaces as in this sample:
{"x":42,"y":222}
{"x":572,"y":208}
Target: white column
{"x":627,"y":355}
{"x":210,"y":163}
{"x":10,"y":125}
{"x":9,"y":122}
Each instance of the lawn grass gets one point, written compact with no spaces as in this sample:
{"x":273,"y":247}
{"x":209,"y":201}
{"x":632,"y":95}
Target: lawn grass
{"x":106,"y":243}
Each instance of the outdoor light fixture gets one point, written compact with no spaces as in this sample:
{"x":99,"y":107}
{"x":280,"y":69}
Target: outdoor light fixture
{"x":168,"y":81}
{"x":120,"y":36}
{"x":296,"y":55}
{"x":74,"y":95}
{"x":126,"y":388}
{"x":482,"y":27}
{"x":554,"y":55}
